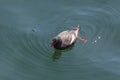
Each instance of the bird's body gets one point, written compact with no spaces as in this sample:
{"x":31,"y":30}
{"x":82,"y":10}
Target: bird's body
{"x":65,"y":38}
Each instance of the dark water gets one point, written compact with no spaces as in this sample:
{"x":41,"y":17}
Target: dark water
{"x":27,"y":27}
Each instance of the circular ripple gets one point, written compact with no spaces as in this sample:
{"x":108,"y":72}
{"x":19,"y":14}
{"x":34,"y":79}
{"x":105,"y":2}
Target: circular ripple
{"x":98,"y":25}
{"x":28,"y":53}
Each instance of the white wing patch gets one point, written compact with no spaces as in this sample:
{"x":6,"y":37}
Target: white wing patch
{"x":73,"y":38}
{"x":76,"y":33}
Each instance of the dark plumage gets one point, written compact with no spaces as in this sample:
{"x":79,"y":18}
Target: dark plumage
{"x":66,"y":38}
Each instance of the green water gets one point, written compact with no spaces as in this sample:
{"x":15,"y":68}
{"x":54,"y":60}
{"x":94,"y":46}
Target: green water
{"x":28,"y":26}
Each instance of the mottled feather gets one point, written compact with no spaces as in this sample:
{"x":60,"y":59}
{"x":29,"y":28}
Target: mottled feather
{"x":66,"y":38}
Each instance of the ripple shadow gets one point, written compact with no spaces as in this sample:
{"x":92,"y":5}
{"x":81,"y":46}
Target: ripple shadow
{"x":58,"y":53}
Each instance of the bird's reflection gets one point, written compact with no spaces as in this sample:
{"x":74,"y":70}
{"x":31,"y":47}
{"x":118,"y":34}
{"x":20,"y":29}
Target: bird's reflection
{"x":58,"y":53}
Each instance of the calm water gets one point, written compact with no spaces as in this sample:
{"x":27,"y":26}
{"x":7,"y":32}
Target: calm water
{"x":27,"y":28}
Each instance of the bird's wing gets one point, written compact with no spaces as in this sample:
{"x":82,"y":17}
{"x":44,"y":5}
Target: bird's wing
{"x":63,"y":33}
{"x":67,"y":37}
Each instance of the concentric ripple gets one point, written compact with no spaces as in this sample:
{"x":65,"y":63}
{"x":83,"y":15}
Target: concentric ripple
{"x":98,"y":25}
{"x":26,"y":53}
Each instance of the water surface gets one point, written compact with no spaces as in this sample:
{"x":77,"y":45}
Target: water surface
{"x":27,"y":28}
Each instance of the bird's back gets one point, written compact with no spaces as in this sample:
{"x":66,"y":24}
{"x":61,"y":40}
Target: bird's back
{"x":67,"y":37}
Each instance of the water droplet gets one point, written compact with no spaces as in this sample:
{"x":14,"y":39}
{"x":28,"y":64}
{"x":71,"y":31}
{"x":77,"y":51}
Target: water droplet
{"x":99,"y":37}
{"x":95,"y":41}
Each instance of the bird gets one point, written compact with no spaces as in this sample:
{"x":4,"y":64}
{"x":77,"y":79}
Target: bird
{"x":67,"y":38}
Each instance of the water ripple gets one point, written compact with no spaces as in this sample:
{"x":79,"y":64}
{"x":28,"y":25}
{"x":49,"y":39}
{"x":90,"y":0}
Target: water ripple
{"x":97,"y":25}
{"x":28,"y":52}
